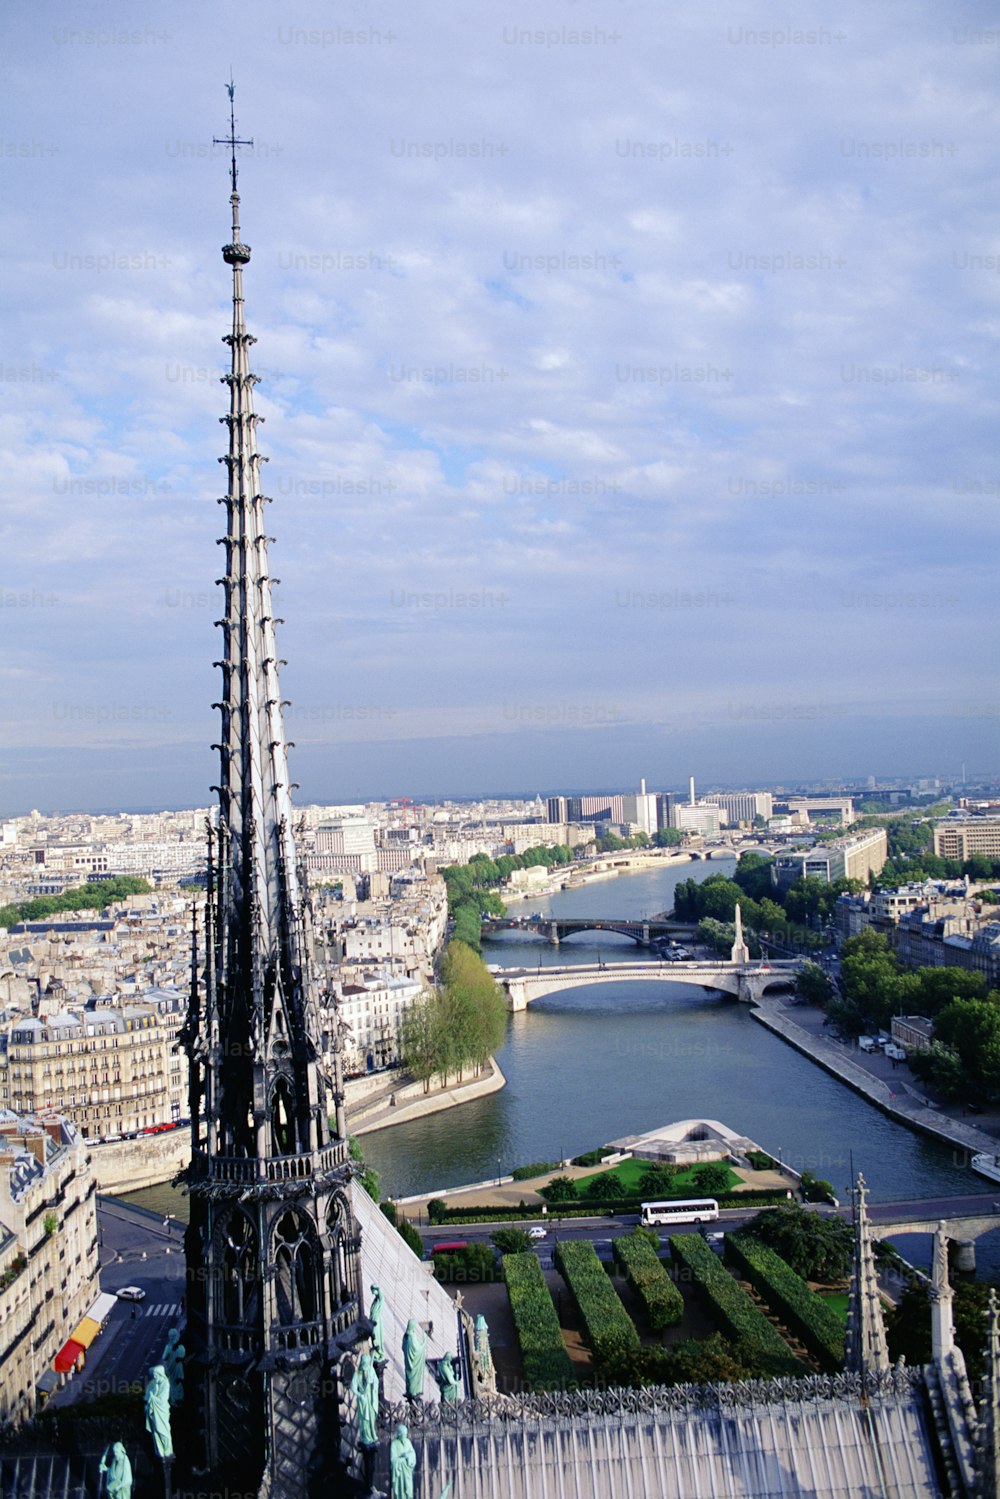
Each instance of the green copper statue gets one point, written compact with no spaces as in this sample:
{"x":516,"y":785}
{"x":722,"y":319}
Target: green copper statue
{"x":117,"y":1472}
{"x":375,"y":1317}
{"x":402,"y":1461}
{"x":172,"y":1359}
{"x":157,"y":1402}
{"x":447,"y":1378}
{"x":364,"y":1388}
{"x":414,"y":1359}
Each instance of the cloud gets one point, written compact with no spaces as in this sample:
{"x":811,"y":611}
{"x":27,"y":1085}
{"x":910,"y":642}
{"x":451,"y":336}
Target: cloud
{"x":705,"y":304}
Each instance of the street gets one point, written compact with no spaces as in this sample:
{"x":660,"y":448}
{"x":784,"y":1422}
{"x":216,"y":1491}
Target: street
{"x":136,"y":1249}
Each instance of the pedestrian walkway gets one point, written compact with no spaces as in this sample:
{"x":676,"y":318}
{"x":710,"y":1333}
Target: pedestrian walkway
{"x":801,"y":1027}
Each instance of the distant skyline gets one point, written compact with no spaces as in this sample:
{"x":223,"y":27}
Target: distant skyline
{"x":629,"y":382}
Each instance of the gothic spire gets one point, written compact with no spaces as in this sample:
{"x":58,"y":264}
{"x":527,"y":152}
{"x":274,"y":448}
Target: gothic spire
{"x":273,"y":1250}
{"x":867,"y":1351}
{"x":988,"y":1439}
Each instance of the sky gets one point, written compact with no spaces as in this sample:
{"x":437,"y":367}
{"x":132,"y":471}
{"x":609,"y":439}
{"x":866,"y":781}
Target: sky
{"x":629,"y":378}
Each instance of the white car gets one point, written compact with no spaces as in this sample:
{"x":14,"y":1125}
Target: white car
{"x":537,"y":1233}
{"x":131,"y":1293}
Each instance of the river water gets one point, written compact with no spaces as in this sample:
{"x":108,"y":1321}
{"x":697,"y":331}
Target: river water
{"x":599,"y":1062}
{"x":602,"y":1061}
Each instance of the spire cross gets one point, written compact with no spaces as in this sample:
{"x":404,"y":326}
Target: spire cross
{"x":231,"y":140}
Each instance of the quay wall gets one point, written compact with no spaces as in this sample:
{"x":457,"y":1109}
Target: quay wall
{"x":413,"y":1103}
{"x":904,"y":1109}
{"x":127,"y":1165}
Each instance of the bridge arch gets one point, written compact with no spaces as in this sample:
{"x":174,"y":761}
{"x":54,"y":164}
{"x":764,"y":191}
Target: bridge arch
{"x":742,"y":981}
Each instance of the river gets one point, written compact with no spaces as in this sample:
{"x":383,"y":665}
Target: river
{"x":599,"y":1062}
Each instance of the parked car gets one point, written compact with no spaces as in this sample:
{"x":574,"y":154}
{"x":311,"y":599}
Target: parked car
{"x":131,"y":1293}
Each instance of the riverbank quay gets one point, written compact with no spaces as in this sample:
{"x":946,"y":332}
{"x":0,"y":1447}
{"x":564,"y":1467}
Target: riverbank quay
{"x":398,"y":1103}
{"x":574,"y":877}
{"x":897,"y":1096}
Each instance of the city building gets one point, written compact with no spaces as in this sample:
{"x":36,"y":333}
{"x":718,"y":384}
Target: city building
{"x":706,"y":820}
{"x":742,"y":806}
{"x":48,"y":1255}
{"x":110,"y":1068}
{"x":853,"y":857}
{"x":962,"y":837}
{"x":806,"y":807}
{"x":915,"y":1032}
{"x":372,"y":1007}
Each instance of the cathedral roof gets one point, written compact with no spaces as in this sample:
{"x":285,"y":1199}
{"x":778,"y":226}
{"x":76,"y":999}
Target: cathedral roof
{"x":815,"y":1438}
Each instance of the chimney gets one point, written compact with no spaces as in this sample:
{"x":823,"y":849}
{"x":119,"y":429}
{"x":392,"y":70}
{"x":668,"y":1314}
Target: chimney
{"x":691,"y":791}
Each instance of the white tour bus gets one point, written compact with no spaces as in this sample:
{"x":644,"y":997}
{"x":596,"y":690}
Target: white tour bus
{"x":681,"y":1210}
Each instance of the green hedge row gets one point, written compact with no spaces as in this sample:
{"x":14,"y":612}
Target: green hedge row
{"x":607,"y":1325}
{"x":733,"y":1309}
{"x":537,"y":1168}
{"x":543,"y":1352}
{"x":529,"y":1214}
{"x":788,"y":1295}
{"x":638,"y":1261}
{"x":473,"y":1266}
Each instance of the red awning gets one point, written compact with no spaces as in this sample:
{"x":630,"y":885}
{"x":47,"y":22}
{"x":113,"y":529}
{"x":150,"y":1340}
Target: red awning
{"x":68,"y":1356}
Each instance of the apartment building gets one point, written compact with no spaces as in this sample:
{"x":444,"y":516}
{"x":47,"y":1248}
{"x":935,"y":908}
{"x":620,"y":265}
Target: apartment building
{"x":110,"y":1068}
{"x":48,"y":1254}
{"x":372,"y":1007}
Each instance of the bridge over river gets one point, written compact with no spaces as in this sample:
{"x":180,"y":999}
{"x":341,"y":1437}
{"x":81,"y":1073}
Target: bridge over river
{"x":746,"y":981}
{"x":642,"y":929}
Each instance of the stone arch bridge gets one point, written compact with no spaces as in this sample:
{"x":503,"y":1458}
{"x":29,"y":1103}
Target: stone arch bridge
{"x":745,"y":981}
{"x":642,"y":930}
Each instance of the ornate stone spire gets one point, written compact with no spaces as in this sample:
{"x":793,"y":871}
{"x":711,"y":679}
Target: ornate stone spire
{"x":865,"y":1346}
{"x":274,"y":1292}
{"x":988,"y":1436}
{"x":942,"y":1296}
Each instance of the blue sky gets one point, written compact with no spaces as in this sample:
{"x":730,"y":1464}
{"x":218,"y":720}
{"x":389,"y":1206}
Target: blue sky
{"x":629,"y":375}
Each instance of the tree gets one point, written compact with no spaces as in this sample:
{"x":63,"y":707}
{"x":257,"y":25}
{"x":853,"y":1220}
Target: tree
{"x":367,"y":1175}
{"x":815,"y":1188}
{"x":658,"y":1181}
{"x":871,"y":980}
{"x":908,"y":1325}
{"x":416,"y":1042}
{"x":511,"y":1240}
{"x":462,"y":1022}
{"x":813,"y":984}
{"x":561,"y":1189}
{"x":940,"y":1067}
{"x":710,"y":1178}
{"x":605,"y":1188}
{"x":753,"y":875}
{"x":410,"y":1236}
{"x":972,"y":1028}
{"x":668,"y":837}
{"x":817,"y":1248}
{"x":939,"y":986}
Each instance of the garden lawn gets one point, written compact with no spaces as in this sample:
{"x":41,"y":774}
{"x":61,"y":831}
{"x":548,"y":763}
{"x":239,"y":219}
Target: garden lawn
{"x":629,"y":1173}
{"x":837,"y":1301}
